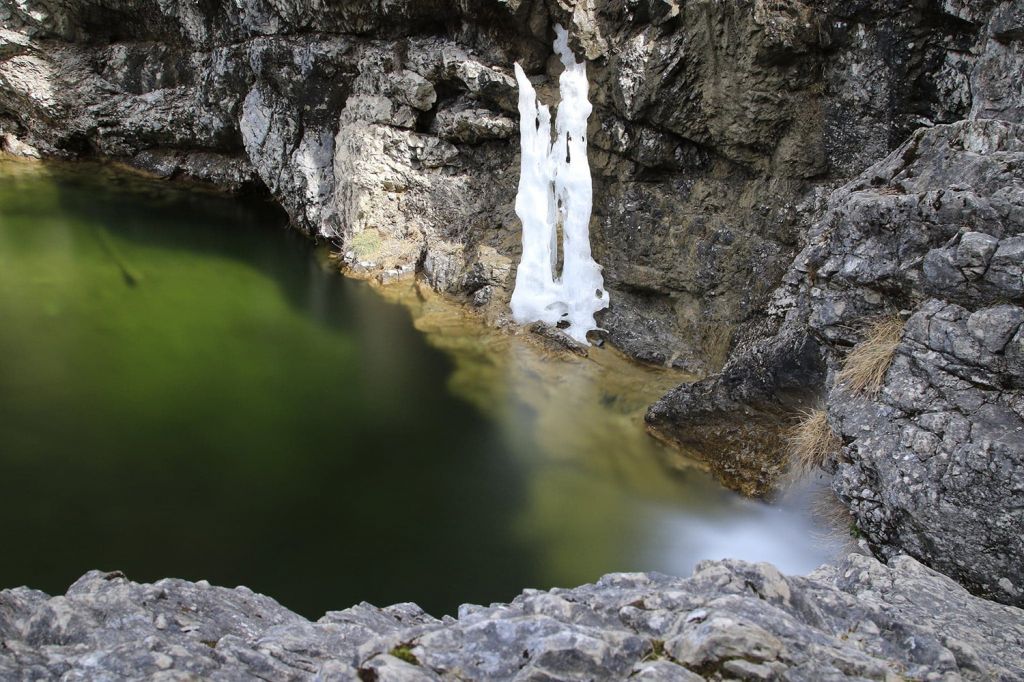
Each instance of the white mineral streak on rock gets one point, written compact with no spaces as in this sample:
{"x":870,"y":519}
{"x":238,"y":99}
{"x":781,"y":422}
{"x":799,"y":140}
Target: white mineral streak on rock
{"x":555,"y":190}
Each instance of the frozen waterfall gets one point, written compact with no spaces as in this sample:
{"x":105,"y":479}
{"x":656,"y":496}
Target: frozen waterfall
{"x":555,"y":196}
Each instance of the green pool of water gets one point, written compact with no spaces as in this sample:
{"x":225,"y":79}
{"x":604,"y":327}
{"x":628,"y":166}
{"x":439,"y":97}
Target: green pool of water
{"x":189,"y":390}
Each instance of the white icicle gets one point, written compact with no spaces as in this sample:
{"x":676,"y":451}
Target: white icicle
{"x":555,"y":190}
{"x":535,"y":295}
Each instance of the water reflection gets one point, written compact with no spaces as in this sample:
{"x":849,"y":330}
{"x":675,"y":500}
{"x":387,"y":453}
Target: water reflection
{"x":600,"y":490}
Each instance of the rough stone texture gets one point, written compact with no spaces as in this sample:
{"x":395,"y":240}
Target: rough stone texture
{"x":733,"y":422}
{"x":411,"y":193}
{"x":715,"y":125}
{"x":926,"y":221}
{"x":733,"y":419}
{"x":731,"y":620}
{"x":934,"y":465}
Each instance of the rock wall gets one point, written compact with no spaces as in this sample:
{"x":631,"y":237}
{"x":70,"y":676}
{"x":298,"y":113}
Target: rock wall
{"x":932,"y":465}
{"x":392,"y":129}
{"x":731,"y":620}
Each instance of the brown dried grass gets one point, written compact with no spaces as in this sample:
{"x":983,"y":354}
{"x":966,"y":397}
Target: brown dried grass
{"x":811,"y":440}
{"x":865,"y":365}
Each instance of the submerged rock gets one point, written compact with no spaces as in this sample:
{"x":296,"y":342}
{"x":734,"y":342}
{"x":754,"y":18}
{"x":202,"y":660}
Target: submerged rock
{"x":730,"y":620}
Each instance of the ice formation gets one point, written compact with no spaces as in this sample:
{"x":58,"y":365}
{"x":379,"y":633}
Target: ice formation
{"x":555,"y":195}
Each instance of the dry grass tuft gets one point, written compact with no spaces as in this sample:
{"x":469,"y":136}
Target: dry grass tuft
{"x":365,"y":244}
{"x":811,"y":441}
{"x":865,"y":365}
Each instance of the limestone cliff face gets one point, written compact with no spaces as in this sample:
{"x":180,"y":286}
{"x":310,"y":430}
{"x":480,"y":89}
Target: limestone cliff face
{"x":933,"y":465}
{"x":715,"y":123}
{"x":737,"y":212}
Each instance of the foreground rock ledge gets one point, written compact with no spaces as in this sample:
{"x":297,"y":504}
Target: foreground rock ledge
{"x":730,"y":620}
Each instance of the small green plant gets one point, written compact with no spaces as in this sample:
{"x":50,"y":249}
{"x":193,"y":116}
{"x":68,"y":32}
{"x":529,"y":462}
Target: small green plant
{"x":811,"y":440}
{"x":404,"y":652}
{"x":866,"y":364}
{"x":657,"y":651}
{"x":366,"y":244}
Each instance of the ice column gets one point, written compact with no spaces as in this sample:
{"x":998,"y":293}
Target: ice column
{"x":555,"y":192}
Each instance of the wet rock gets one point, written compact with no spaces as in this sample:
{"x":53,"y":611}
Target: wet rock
{"x":443,"y":265}
{"x":557,"y":339}
{"x":12,"y":145}
{"x":234,"y":174}
{"x":646,"y":327}
{"x":734,"y":421}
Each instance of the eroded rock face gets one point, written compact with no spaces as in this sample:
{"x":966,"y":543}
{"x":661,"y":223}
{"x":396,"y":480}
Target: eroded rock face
{"x":934,"y":465}
{"x":734,"y":422}
{"x":423,"y":183}
{"x":877,"y":92}
{"x":731,"y":620}
{"x":714,"y":124}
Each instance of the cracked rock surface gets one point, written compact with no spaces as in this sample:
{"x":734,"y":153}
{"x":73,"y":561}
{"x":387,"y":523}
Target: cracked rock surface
{"x":731,"y":620}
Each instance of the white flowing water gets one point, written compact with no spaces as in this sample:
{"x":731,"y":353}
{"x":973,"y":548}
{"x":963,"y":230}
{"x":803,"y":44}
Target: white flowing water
{"x":555,"y":192}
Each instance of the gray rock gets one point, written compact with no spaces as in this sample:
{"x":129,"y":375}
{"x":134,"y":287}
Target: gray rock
{"x":234,"y":174}
{"x":663,"y":671}
{"x":474,"y":125}
{"x":716,"y":124}
{"x":731,"y":620}
{"x":933,"y":466}
{"x":941,"y":452}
